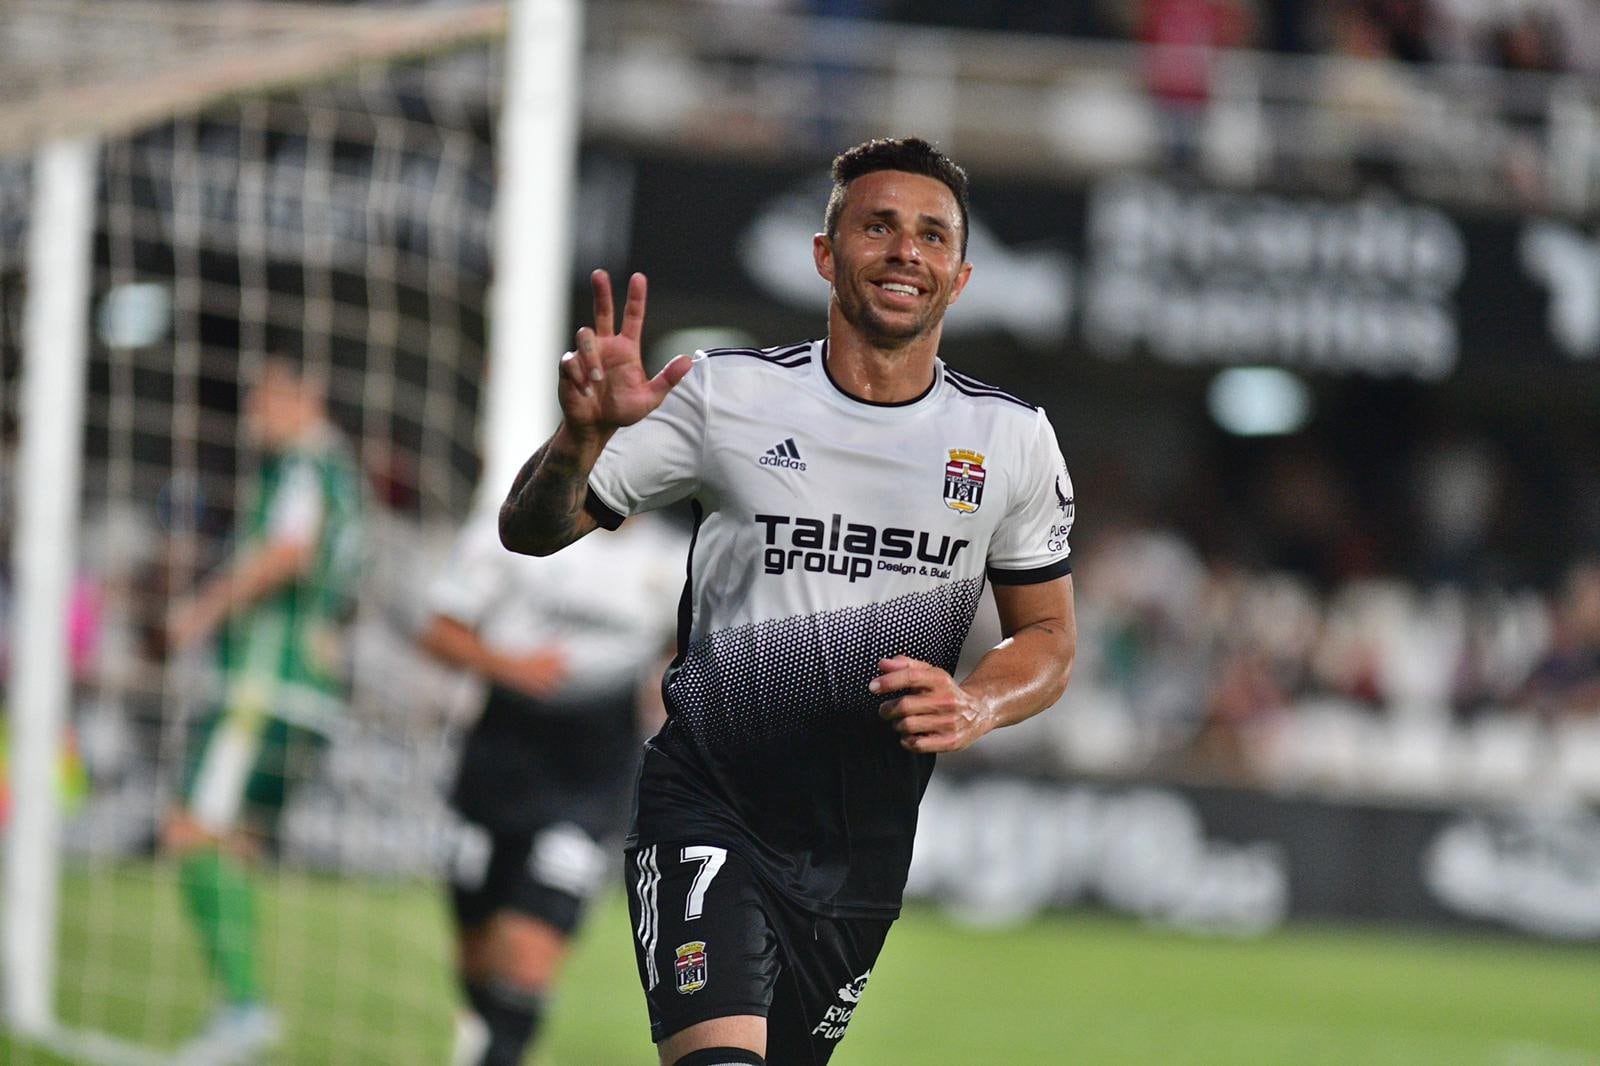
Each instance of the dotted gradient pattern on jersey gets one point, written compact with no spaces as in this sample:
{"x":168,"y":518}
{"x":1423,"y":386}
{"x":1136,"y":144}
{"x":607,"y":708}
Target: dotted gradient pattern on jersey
{"x":765,"y":681}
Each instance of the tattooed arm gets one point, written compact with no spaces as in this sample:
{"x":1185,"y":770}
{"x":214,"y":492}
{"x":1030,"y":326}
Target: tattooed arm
{"x":544,"y":512}
{"x":603,"y":387}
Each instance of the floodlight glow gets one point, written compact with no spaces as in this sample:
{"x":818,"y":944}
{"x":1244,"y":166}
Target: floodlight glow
{"x":1259,"y":401}
{"x":135,"y":315}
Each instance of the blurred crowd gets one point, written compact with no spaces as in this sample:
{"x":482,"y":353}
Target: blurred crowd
{"x":1403,"y":92}
{"x":1375,"y":688}
{"x":1212,"y":655}
{"x":1419,"y":613}
{"x":1541,"y":35}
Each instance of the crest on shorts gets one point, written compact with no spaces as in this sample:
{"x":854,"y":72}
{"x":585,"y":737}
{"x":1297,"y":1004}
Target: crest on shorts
{"x":691,"y":967}
{"x":963,"y":481}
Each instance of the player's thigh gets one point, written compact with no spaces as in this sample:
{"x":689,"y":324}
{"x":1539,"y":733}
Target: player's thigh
{"x":288,"y":757}
{"x":241,"y":769}
{"x":826,"y":964}
{"x":484,"y":868}
{"x":702,"y":939}
{"x":745,"y":1031}
{"x":217,"y":755}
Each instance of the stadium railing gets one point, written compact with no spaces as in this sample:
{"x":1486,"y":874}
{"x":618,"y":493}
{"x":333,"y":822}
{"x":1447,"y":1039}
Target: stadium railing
{"x":751,"y":80}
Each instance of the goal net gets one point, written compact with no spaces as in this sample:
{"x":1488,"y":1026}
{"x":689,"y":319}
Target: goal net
{"x":267,"y":179}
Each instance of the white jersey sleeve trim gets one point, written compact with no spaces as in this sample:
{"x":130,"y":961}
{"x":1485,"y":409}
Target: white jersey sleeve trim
{"x":1031,"y":544}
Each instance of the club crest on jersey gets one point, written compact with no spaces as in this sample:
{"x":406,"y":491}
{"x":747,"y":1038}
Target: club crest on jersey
{"x":691,"y":967}
{"x":963,"y":481}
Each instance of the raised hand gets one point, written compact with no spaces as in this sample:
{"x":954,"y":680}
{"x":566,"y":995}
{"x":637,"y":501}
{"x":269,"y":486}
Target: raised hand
{"x":603,"y":384}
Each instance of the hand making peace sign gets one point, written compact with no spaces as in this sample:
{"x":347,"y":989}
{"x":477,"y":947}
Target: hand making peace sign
{"x":603,"y":383}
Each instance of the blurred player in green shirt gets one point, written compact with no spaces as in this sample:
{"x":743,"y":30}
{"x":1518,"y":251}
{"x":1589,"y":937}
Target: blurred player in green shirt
{"x":278,"y":609}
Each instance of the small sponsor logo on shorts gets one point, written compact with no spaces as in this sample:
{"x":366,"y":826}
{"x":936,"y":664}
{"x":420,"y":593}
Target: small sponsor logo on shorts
{"x":691,"y":967}
{"x":837,"y":1018}
{"x":851,"y":993}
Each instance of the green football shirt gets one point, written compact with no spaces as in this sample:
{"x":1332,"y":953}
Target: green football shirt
{"x":285,"y":656}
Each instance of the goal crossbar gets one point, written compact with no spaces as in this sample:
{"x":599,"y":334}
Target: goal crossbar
{"x":88,"y":81}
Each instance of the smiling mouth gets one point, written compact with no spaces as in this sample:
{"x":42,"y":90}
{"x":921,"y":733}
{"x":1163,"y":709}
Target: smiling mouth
{"x":899,"y":288}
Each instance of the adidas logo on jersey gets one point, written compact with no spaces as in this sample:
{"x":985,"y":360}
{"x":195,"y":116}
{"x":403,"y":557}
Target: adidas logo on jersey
{"x":784,"y":454}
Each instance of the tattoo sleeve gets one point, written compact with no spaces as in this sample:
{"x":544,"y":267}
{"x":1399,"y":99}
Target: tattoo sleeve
{"x":543,"y":512}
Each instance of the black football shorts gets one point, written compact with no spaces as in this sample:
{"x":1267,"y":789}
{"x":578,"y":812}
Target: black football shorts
{"x":713,"y":941}
{"x":549,"y":872}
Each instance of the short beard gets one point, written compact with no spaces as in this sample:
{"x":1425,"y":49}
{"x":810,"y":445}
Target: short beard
{"x":876,"y":331}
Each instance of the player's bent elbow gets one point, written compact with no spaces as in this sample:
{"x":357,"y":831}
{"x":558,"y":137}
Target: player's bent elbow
{"x":1059,"y":689}
{"x":520,"y":534}
{"x":515,"y":536}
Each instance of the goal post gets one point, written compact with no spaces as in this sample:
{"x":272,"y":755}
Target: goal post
{"x":538,"y":152}
{"x":387,"y":189}
{"x":55,"y":342}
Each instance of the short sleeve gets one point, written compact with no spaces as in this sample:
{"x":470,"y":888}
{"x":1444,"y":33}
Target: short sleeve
{"x":474,"y":578}
{"x":295,"y":513}
{"x":656,"y":461}
{"x":1031,"y":544}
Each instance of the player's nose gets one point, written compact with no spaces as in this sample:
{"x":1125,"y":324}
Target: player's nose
{"x":904,"y":248}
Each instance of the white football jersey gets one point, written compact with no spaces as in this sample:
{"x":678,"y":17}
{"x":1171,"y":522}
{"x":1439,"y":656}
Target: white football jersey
{"x":609,"y":605}
{"x":831,"y":532}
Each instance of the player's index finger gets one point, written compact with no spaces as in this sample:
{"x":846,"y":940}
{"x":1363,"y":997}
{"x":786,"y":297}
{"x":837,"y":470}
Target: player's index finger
{"x":633,"y":310}
{"x":605,"y":313}
{"x":906,"y":677}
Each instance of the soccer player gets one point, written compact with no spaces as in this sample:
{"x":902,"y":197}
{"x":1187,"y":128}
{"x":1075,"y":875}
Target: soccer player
{"x":280,"y":607}
{"x":565,"y":645}
{"x":853,"y":495}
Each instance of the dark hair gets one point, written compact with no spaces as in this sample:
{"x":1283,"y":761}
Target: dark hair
{"x":911,"y":154}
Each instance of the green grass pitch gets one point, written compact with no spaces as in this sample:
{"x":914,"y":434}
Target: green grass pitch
{"x":359,"y":973}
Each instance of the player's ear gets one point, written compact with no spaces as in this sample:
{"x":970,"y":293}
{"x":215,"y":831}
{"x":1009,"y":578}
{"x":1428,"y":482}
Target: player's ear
{"x":822,"y":254}
{"x":962,"y":276}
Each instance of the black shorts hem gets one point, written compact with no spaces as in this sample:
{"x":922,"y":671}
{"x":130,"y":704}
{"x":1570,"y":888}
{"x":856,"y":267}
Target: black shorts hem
{"x":659,"y":1030}
{"x":557,"y":908}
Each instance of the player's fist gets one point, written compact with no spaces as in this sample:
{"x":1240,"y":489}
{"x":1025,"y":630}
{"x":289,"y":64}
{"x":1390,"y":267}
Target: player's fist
{"x":928,"y":709}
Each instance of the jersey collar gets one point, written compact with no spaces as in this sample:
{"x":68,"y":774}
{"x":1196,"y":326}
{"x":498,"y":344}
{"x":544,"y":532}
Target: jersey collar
{"x":916,"y":403}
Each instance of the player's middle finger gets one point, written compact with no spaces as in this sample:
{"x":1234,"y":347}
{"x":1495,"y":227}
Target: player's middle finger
{"x":910,"y":677}
{"x":633,"y":310}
